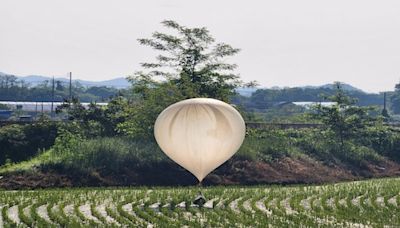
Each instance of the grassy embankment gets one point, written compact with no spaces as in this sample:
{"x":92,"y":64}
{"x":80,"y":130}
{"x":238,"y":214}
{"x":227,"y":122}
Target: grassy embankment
{"x":289,"y":153}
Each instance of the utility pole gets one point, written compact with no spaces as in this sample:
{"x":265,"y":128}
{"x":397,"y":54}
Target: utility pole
{"x":384,"y":100}
{"x":52,"y":99}
{"x":70,"y":86}
{"x":36,"y":111}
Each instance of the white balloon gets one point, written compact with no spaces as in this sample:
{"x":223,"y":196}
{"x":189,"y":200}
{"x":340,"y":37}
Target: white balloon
{"x":200,"y":134}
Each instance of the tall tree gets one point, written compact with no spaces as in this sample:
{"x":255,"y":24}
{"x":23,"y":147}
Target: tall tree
{"x":395,"y":99}
{"x":190,"y":64}
{"x":192,"y":61}
{"x":345,"y":119}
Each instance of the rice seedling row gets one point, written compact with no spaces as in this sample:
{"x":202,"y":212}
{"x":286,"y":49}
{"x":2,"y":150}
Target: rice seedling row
{"x":373,"y":203}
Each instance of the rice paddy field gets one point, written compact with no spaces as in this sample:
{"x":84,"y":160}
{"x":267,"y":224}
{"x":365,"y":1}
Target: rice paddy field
{"x":372,"y":203}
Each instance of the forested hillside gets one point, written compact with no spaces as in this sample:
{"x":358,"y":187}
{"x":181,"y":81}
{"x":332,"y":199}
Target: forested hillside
{"x":14,"y":89}
{"x":266,"y":98}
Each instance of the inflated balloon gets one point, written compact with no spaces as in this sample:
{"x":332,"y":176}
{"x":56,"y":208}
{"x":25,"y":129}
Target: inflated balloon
{"x":200,"y":134}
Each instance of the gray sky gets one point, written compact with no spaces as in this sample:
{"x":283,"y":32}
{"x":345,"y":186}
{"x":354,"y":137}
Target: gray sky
{"x":284,"y":43}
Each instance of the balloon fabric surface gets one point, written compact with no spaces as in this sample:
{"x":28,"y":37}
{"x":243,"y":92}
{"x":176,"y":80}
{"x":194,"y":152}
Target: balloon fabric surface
{"x":200,"y":134}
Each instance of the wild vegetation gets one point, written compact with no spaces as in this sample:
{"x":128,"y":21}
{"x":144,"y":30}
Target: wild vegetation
{"x":21,"y":142}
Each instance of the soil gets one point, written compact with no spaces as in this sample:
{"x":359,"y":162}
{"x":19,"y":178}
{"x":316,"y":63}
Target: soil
{"x":286,"y":170}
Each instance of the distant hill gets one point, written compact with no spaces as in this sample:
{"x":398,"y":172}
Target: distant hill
{"x":345,"y":86}
{"x":118,"y":83}
{"x":121,"y":83}
{"x":247,"y":92}
{"x":266,"y":98}
{"x":33,"y":80}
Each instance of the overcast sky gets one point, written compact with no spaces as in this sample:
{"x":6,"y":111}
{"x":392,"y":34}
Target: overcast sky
{"x":284,"y":43}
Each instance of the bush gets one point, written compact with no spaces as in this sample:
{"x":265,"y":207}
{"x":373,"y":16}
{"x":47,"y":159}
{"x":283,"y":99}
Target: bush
{"x":21,"y":142}
{"x":110,"y":154}
{"x":322,"y":144}
{"x":267,"y":145}
{"x":271,"y":144}
{"x":384,"y":140}
{"x":360,"y":154}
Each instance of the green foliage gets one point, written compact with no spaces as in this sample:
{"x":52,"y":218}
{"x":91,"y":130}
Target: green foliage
{"x":21,"y":142}
{"x":95,"y":120}
{"x":267,"y":145}
{"x":190,"y":65}
{"x":110,"y":155}
{"x":321,"y":144}
{"x":395,"y":100}
{"x":27,"y":165}
{"x":324,"y":145}
{"x":344,"y":118}
{"x":66,"y":144}
{"x":264,"y":99}
{"x":74,"y":150}
{"x":385,"y":140}
{"x":139,"y":116}
{"x":195,"y":63}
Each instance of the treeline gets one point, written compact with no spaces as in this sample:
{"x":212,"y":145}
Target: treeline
{"x":14,"y":89}
{"x":266,"y":98}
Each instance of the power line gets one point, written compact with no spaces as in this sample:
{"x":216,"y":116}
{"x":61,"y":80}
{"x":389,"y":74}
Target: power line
{"x":52,"y":98}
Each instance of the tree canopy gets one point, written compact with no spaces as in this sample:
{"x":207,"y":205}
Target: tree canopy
{"x":190,"y":64}
{"x":344,"y":118}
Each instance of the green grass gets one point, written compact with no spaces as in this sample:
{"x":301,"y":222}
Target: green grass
{"x":26,"y":165}
{"x":72,"y":151}
{"x":374,"y":203}
{"x":112,"y":154}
